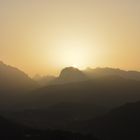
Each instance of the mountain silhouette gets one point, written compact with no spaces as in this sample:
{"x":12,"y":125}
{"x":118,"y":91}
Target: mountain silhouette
{"x":69,"y":75}
{"x":13,"y":84}
{"x":100,"y":72}
{"x":75,"y":101}
{"x":12,"y":78}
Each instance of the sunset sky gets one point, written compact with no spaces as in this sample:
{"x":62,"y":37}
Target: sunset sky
{"x":44,"y":36}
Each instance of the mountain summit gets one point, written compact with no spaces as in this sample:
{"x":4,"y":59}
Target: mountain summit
{"x":71,"y":74}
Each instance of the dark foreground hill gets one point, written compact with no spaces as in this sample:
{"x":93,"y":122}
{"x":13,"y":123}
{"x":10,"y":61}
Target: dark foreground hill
{"x":11,"y":130}
{"x":122,"y":123}
{"x":58,"y":106}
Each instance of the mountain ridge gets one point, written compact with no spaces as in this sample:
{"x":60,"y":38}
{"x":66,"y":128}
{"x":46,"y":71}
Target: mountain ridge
{"x":12,"y":78}
{"x":71,"y":74}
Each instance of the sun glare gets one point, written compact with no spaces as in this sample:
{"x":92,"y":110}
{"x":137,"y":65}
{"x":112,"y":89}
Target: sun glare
{"x":71,"y":53}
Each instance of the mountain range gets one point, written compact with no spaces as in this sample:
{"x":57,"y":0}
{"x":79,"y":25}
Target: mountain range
{"x":71,"y":74}
{"x":104,"y":102}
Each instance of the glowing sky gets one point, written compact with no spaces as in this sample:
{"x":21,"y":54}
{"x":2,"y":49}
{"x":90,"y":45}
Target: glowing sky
{"x":43,"y":36}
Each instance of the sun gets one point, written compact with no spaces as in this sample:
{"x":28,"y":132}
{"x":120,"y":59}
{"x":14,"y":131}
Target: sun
{"x":70,"y":53}
{"x":73,"y":56}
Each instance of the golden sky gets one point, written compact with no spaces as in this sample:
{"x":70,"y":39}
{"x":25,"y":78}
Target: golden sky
{"x":43,"y":36}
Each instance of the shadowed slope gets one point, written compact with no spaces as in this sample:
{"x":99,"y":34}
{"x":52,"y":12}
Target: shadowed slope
{"x":12,"y":79}
{"x":108,"y":91}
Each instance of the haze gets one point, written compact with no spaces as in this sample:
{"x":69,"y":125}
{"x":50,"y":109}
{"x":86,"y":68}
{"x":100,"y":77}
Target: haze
{"x":43,"y":36}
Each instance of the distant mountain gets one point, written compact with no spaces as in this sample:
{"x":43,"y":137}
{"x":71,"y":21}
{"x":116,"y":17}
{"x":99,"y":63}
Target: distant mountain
{"x":122,"y":123}
{"x":13,"y":79}
{"x":71,"y":74}
{"x":100,"y":72}
{"x":44,"y":80}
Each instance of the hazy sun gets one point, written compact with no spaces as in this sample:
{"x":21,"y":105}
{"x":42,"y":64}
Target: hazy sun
{"x":71,"y":53}
{"x":75,"y":56}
